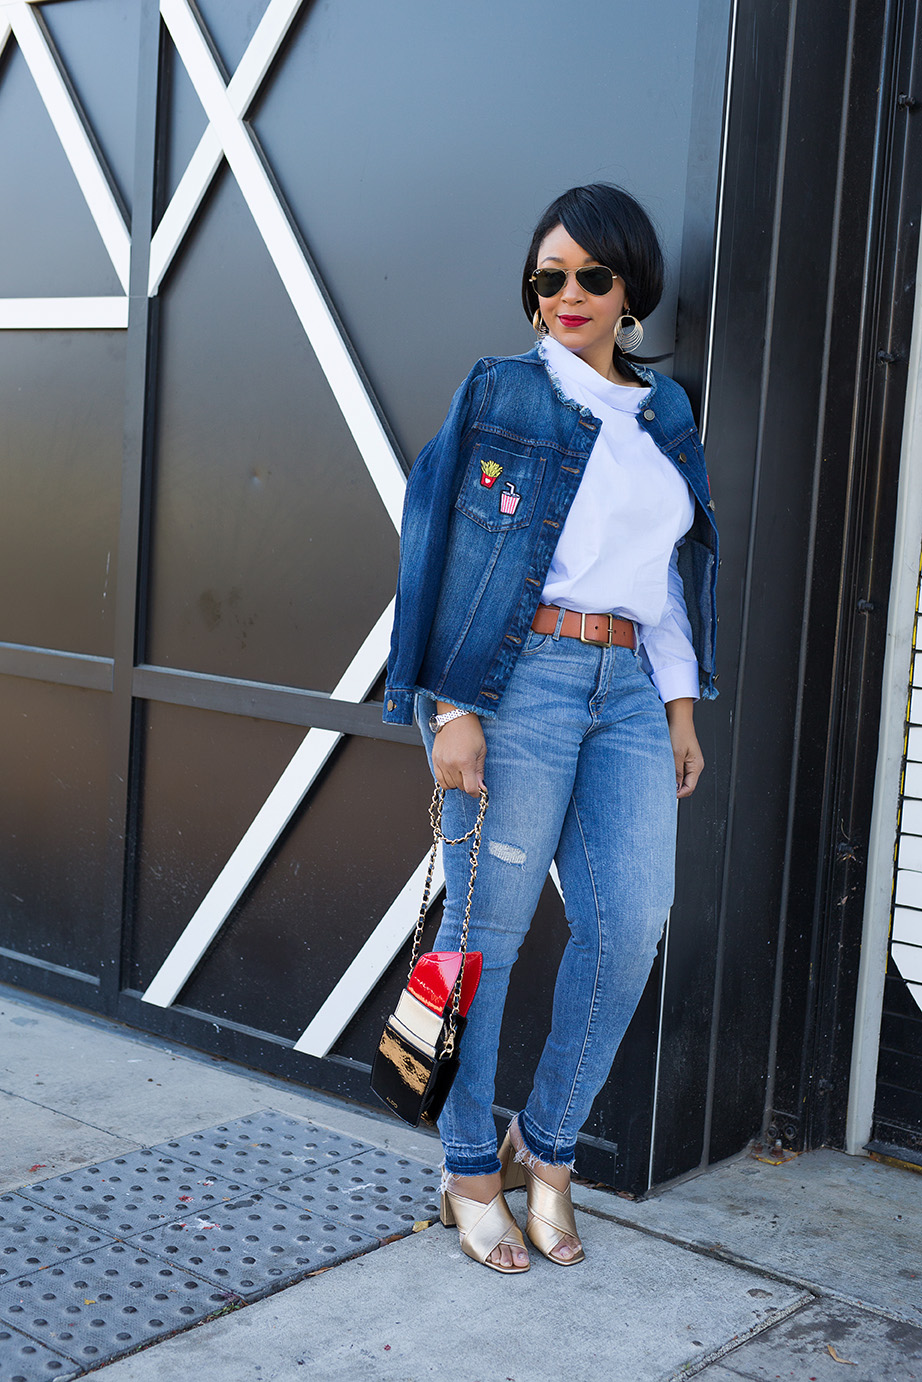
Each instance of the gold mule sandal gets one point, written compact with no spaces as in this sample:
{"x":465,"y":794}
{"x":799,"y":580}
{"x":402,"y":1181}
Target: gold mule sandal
{"x":482,"y":1227}
{"x":550,"y":1211}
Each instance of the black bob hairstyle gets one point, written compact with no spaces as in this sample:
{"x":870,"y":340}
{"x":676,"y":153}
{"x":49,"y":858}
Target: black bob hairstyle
{"x":615,"y":230}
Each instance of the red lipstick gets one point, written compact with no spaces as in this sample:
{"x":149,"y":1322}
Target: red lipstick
{"x":571,"y":321}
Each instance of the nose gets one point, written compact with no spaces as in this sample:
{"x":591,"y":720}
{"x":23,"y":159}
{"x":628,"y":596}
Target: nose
{"x":571,"y":292}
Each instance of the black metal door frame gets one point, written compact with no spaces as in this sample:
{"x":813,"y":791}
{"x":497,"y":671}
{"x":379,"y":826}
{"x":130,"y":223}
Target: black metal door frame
{"x":870,"y":327}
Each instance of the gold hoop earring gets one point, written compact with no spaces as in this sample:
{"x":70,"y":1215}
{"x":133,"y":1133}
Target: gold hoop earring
{"x":538,"y":324}
{"x":628,"y":333}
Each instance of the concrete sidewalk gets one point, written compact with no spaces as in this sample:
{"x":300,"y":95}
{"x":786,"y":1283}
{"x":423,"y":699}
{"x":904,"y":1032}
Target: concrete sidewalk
{"x":119,"y":1149}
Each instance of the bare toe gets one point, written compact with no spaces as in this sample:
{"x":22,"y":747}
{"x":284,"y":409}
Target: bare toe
{"x":507,"y":1256}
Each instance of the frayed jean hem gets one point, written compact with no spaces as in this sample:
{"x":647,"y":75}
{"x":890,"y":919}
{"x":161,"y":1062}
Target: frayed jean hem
{"x":540,"y":1149}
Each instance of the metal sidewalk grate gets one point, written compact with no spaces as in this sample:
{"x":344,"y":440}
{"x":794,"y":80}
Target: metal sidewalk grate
{"x":262,"y":1149}
{"x":98,"y":1262}
{"x":31,"y":1237}
{"x":22,"y":1359}
{"x":257,"y":1244}
{"x":378,"y":1192}
{"x":130,"y":1193}
{"x":106,"y":1302}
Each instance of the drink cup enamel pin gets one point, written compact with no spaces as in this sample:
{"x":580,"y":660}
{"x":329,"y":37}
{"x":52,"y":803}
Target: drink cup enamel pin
{"x":490,"y":471}
{"x":509,"y":499}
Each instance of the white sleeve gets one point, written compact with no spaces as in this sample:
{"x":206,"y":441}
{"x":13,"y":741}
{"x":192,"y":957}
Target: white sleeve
{"x":666,"y":648}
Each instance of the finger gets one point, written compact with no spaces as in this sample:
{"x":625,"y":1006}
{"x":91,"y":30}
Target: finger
{"x":472,"y":780}
{"x":445,"y":775}
{"x":690,"y":779}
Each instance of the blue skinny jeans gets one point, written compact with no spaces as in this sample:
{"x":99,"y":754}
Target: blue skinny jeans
{"x":580,"y":770}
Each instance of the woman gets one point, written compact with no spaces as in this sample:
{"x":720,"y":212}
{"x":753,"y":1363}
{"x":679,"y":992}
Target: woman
{"x":555,"y":612}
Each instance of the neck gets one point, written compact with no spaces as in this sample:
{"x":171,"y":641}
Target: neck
{"x":601,"y":360}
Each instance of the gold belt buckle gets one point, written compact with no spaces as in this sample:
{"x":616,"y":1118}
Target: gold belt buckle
{"x":596,"y":642}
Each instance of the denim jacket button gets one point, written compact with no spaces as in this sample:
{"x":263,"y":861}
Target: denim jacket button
{"x":682,"y":457}
{"x":392,"y":705}
{"x":711,"y":505}
{"x":649,"y":414}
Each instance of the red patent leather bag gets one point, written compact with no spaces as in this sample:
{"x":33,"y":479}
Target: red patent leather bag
{"x":417,"y":1057}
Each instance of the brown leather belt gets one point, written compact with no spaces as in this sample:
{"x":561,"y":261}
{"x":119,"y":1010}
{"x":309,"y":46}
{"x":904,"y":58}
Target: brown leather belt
{"x":603,"y":629}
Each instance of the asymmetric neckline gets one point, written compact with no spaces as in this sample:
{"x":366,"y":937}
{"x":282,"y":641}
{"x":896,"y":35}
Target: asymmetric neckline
{"x":570,"y":369}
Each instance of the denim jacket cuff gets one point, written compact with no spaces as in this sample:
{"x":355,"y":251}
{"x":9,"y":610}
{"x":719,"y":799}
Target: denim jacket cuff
{"x":398,"y":707}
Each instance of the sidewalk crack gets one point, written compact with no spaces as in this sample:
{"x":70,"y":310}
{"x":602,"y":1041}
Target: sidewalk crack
{"x":715,"y":1354}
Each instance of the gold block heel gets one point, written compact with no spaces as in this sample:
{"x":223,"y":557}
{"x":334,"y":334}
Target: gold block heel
{"x":550,"y":1211}
{"x":512,"y":1171}
{"x":482,"y":1228}
{"x":445,"y":1211}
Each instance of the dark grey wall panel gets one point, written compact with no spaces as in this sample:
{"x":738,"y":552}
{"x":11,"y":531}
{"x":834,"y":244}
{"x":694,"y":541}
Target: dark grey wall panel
{"x":181,"y":124}
{"x":272,"y":555}
{"x":97,"y":41}
{"x":230,"y":27}
{"x":417,"y":144}
{"x":50,"y":244}
{"x":61,"y":401}
{"x":53,"y":826}
{"x":201,"y":782}
{"x":309,"y":911}
{"x":344,"y":858}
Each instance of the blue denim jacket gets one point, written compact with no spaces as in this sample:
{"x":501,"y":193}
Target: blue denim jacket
{"x":474,"y":554}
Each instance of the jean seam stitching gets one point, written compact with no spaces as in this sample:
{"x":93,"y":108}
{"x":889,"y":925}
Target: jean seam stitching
{"x":595,"y":983}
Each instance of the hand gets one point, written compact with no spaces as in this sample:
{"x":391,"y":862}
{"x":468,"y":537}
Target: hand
{"x":459,"y":753}
{"x":689,"y":760}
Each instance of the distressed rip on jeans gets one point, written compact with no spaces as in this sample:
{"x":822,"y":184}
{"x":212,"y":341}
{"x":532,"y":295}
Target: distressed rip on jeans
{"x":509,"y":854}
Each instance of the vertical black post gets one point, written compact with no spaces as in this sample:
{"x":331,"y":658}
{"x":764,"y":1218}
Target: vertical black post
{"x":130,"y":580}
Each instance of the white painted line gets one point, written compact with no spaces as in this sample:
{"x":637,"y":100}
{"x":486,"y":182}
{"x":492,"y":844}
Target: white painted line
{"x":391,"y":932}
{"x":914,"y":745}
{"x":908,"y":959}
{"x":718,"y":229}
{"x":907,"y":925}
{"x":908,"y":891}
{"x":206,"y":160}
{"x":269,"y":822}
{"x":901,"y":628}
{"x":71,"y":130}
{"x":285,"y":250}
{"x":63,"y":314}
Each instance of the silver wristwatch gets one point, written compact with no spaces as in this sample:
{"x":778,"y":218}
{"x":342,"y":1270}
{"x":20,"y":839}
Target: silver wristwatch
{"x":437,"y":721}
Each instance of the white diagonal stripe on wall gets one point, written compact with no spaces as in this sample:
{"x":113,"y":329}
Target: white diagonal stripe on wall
{"x":206,"y":160}
{"x":224,"y":106}
{"x":63,"y":314}
{"x":282,"y":243}
{"x":394,"y":928}
{"x":348,"y":995}
{"x":268,"y":823}
{"x":71,"y":131}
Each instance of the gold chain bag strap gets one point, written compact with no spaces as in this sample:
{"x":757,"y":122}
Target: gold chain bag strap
{"x":417,"y":1057}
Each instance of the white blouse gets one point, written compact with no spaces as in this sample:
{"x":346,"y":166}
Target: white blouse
{"x":618,"y":548}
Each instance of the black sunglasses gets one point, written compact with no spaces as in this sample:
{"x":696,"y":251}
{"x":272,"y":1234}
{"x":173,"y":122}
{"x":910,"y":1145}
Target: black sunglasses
{"x":596,"y":279}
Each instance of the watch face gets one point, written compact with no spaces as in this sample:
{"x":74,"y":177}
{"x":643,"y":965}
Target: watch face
{"x":434,"y":724}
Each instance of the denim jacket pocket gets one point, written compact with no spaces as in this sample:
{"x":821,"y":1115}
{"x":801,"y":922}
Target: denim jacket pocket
{"x":500,"y":488}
